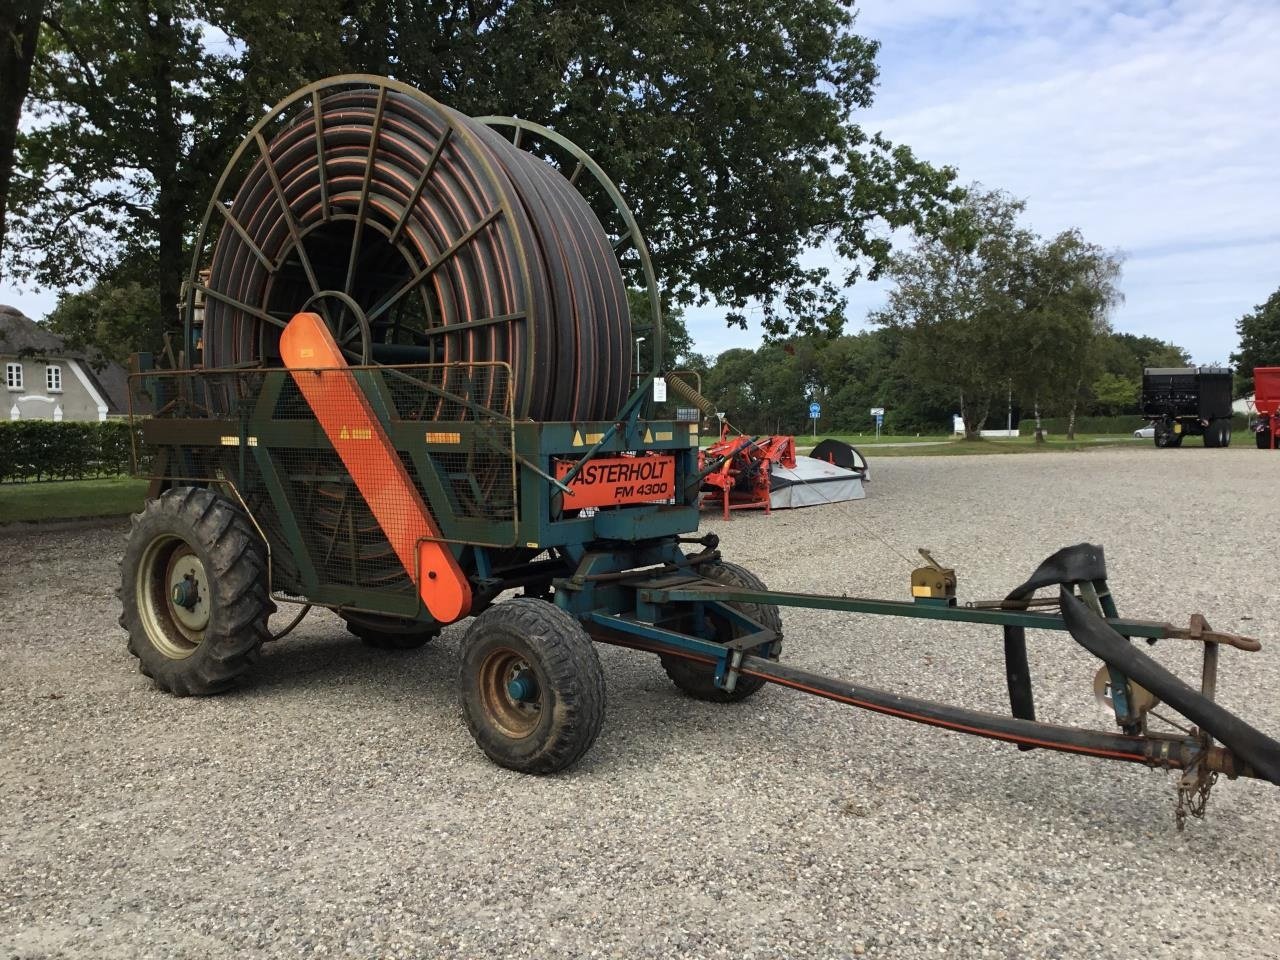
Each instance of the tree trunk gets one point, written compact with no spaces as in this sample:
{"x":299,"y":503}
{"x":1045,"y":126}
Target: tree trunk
{"x":1071,"y":415}
{"x":170,"y":210}
{"x":1039,"y":426}
{"x":19,"y":30}
{"x":974,"y":420}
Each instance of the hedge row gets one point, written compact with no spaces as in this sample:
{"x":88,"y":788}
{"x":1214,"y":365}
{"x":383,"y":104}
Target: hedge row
{"x":66,"y":450}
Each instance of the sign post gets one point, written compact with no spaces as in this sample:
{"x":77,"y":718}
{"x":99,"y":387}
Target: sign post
{"x":878,"y":413}
{"x":815,"y":411}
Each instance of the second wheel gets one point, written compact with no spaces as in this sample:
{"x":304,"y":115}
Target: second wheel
{"x":531,"y":686}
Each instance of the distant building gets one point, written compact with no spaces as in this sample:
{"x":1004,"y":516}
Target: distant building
{"x":43,"y":380}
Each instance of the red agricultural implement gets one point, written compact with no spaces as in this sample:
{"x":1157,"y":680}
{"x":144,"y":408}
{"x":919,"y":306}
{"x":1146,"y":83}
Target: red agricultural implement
{"x":741,"y":470}
{"x":1266,"y":385}
{"x":752,"y":473}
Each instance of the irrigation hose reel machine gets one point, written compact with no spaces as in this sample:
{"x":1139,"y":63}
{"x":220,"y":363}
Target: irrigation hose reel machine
{"x":406,"y":386}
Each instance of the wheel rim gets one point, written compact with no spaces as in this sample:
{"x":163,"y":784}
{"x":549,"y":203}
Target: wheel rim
{"x":510,"y":693}
{"x":173,"y":597}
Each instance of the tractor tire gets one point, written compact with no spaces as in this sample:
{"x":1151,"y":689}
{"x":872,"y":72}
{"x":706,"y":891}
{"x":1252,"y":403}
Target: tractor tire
{"x":1218,"y":434}
{"x":1263,"y":439}
{"x":531,"y":686}
{"x":389,"y":633}
{"x":193,"y":588}
{"x":698,"y":680}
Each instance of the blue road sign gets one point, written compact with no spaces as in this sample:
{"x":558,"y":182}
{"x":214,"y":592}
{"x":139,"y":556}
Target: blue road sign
{"x":815,"y":411}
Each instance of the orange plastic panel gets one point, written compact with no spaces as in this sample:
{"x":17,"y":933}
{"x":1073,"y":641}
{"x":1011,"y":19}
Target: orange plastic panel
{"x":348,"y":420}
{"x":609,"y":481}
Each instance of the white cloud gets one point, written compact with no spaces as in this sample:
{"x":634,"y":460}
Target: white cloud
{"x":1151,"y":126}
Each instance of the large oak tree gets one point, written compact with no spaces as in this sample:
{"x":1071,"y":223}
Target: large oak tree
{"x":731,"y":127}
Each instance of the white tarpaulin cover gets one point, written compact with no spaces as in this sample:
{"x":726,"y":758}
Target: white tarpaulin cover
{"x":813,"y":482}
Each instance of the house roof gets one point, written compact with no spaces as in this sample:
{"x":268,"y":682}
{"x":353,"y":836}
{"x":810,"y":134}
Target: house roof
{"x":20,"y":336}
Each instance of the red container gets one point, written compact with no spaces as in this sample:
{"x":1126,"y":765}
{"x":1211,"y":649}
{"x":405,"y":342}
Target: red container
{"x":1266,"y":382}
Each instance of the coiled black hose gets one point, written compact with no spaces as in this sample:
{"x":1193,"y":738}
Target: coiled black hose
{"x":422,"y":236}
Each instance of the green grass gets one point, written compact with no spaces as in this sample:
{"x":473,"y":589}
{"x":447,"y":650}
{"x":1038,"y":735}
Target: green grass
{"x":866,"y":439}
{"x":950,"y":446}
{"x":1054,"y":444}
{"x":966,"y":448}
{"x":70,"y":499}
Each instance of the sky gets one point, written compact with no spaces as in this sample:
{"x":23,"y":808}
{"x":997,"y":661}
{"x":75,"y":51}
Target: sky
{"x":1154,"y":127}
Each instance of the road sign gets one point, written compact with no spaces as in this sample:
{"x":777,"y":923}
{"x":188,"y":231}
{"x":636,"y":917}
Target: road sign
{"x":877,"y":411}
{"x":879,"y":419}
{"x":815,"y":411}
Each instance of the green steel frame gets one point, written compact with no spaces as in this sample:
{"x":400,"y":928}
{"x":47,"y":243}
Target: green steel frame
{"x":625,"y":572}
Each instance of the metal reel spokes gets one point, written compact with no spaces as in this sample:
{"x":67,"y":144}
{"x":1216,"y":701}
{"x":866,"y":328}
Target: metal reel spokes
{"x":420,"y":235}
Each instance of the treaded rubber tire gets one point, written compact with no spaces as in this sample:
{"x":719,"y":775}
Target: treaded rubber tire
{"x":698,"y":679}
{"x":1262,"y":439}
{"x":389,"y":633}
{"x":569,"y":677}
{"x":235,"y":561}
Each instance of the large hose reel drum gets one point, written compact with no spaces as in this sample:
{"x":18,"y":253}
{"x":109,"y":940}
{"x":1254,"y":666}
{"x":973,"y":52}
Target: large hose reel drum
{"x":421,"y":236}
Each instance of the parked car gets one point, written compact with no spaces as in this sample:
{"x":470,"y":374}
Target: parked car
{"x":1145,"y":433}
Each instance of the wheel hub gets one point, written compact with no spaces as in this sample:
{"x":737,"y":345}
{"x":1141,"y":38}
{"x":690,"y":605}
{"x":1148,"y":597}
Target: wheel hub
{"x":510,"y":693}
{"x":522,"y":687}
{"x":188,"y":594}
{"x":173,"y":596}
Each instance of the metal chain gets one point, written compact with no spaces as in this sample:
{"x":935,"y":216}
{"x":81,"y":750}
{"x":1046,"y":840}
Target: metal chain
{"x":1193,"y":799}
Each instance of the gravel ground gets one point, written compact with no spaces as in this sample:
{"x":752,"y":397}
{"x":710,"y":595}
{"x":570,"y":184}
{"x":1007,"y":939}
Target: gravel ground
{"x":335,"y":804}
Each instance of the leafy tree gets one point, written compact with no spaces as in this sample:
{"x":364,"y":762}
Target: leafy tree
{"x":986,"y":307}
{"x":108,"y":319}
{"x":1259,"y":332}
{"x":1126,"y":354}
{"x":134,"y":109}
{"x":1074,"y":285}
{"x":677,"y":345}
{"x":1120,"y":360}
{"x":1114,"y":394}
{"x":129,"y":134}
{"x":19,"y":31}
{"x":731,"y":128}
{"x":768,"y":389}
{"x":959,"y":300}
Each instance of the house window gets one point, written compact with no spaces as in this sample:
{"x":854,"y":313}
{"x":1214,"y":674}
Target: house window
{"x":53,"y":379}
{"x":13,"y":376}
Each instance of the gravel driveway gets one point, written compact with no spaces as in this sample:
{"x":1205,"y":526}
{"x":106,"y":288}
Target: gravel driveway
{"x":335,"y":805}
